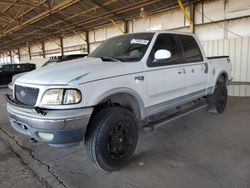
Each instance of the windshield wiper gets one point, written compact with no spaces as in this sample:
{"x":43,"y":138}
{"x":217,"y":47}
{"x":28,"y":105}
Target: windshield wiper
{"x":109,"y":59}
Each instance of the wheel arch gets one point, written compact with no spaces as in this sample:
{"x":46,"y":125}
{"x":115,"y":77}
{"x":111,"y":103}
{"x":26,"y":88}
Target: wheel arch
{"x":224,"y":75}
{"x":124,"y":97}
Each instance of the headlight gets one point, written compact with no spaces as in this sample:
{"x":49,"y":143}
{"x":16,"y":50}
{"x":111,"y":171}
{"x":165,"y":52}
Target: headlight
{"x":53,"y":97}
{"x":61,"y":96}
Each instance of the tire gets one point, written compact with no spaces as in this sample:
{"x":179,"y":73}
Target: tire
{"x":111,"y":138}
{"x":218,"y":100}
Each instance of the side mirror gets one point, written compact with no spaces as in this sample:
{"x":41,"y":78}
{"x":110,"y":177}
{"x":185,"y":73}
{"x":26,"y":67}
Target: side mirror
{"x":162,"y":55}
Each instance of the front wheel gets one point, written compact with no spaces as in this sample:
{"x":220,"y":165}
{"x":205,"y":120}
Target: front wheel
{"x":218,"y":100}
{"x":111,"y":138}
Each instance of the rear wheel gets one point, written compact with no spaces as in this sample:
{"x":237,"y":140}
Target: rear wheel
{"x":111,"y":138}
{"x":218,"y":100}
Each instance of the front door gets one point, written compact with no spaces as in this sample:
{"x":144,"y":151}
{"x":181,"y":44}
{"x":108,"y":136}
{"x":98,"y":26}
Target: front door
{"x":166,"y":79}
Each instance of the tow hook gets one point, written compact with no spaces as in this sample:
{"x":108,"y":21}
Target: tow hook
{"x":33,"y":140}
{"x":40,"y":111}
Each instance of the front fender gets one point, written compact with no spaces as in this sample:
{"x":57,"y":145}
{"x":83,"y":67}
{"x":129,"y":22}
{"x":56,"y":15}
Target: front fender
{"x":127,"y":91}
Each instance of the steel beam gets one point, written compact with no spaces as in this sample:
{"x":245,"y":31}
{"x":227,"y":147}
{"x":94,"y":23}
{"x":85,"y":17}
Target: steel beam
{"x":25,"y":12}
{"x":102,"y":16}
{"x":75,"y":26}
{"x":21,"y":3}
{"x":56,"y":8}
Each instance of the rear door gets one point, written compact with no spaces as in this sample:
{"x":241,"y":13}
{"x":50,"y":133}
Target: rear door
{"x":166,"y":79}
{"x":196,"y":68}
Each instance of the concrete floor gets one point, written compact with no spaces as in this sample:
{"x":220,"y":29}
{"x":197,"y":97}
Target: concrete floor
{"x":198,"y":150}
{"x":15,"y":173}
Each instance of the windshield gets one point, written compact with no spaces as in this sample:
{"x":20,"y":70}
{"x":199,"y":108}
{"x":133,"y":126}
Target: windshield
{"x":127,"y":48}
{"x":49,"y":62}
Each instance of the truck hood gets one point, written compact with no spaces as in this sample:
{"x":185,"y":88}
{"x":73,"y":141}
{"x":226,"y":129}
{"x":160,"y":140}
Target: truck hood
{"x":78,"y":71}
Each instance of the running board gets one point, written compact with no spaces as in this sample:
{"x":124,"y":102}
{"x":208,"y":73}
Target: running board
{"x":154,"y":125}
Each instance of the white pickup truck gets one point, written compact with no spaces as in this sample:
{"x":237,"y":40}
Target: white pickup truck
{"x":129,"y":81}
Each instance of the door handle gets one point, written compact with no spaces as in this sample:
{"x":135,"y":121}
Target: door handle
{"x":203,"y":67}
{"x":139,"y":78}
{"x":180,"y":71}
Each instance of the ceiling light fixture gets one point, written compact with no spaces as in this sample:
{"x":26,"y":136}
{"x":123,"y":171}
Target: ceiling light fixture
{"x":143,"y":13}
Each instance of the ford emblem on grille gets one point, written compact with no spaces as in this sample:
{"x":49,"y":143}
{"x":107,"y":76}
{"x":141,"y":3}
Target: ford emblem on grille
{"x":22,"y":93}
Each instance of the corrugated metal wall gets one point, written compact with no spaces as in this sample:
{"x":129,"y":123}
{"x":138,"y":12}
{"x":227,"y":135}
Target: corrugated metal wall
{"x":239,"y":51}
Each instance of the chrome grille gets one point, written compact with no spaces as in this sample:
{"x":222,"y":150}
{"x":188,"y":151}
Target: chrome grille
{"x":26,"y":95}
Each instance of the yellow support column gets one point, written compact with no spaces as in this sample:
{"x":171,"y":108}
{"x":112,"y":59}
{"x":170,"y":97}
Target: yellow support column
{"x":191,"y":27}
{"x":79,"y":35}
{"x":117,"y":26}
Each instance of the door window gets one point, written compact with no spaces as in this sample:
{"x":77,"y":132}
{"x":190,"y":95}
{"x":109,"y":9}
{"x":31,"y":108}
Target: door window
{"x":165,"y":42}
{"x":5,"y":69}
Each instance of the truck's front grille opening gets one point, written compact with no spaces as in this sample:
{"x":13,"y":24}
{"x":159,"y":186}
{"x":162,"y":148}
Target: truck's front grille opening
{"x":26,"y":95}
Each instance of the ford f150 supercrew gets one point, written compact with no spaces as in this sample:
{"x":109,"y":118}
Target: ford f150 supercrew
{"x":129,"y":81}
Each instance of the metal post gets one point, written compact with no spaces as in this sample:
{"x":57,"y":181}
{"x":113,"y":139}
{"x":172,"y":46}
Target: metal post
{"x":192,"y":15}
{"x":10,"y":54}
{"x":19,"y":55}
{"x":29,"y":52}
{"x":61,"y":45}
{"x":43,"y":50}
{"x":87,"y":42}
{"x":125,"y":26}
{"x":202,"y":11}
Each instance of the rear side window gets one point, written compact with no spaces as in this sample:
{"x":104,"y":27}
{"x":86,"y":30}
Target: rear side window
{"x":191,"y":49}
{"x":12,"y":68}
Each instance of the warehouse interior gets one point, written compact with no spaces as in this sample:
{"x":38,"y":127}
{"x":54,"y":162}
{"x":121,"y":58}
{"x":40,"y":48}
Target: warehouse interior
{"x":199,"y":150}
{"x":31,"y":31}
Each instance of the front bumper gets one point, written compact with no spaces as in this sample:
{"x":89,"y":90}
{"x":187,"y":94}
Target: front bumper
{"x":68,"y":127}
